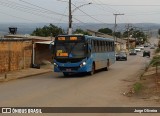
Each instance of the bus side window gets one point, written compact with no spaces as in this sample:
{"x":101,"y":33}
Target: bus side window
{"x":96,"y":46}
{"x":106,"y":46}
{"x":112,"y":46}
{"x":109,"y":46}
{"x":93,"y":46}
{"x":100,"y":46}
{"x":103,"y":45}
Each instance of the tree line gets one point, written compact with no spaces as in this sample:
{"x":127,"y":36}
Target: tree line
{"x":52,"y":30}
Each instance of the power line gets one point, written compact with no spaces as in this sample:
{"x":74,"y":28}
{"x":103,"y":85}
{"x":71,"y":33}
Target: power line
{"x":62,"y":17}
{"x":42,"y":8}
{"x":15,"y":16}
{"x":139,"y":5}
{"x":32,"y":8}
{"x":23,"y":9}
{"x":30,"y":11}
{"x":102,"y":6}
{"x":88,"y":14}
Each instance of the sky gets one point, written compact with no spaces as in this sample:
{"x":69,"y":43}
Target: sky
{"x":99,"y":11}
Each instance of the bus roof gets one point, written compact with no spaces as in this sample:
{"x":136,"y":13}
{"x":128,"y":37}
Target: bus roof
{"x":87,"y":36}
{"x":99,"y":38}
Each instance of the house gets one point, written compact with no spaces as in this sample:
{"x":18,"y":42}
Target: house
{"x":21,"y":51}
{"x":131,"y":41}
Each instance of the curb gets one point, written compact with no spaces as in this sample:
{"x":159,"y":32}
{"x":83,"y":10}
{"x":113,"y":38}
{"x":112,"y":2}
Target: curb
{"x":29,"y":75}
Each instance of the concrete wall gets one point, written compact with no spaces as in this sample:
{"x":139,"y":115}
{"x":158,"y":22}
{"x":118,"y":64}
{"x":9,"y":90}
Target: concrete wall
{"x":15,"y":54}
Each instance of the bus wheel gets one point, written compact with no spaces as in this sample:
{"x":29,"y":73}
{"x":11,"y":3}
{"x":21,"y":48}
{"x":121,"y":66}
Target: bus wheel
{"x":106,"y":68}
{"x":93,"y":70}
{"x":65,"y":74}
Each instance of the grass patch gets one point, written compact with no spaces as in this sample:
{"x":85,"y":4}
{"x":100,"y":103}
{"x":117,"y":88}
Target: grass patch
{"x":157,"y":50}
{"x":137,"y":87}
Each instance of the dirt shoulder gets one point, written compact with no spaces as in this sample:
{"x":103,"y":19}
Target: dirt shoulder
{"x":148,"y":86}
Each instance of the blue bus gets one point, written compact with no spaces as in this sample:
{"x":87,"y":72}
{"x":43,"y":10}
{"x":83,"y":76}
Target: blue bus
{"x":82,"y":53}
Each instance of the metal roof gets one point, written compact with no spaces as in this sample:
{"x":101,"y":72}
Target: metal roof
{"x":29,"y":37}
{"x":45,"y":42}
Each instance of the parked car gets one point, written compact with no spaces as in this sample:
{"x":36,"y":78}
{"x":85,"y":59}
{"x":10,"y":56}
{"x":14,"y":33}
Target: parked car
{"x":132,"y":52}
{"x":142,"y":47}
{"x":138,"y":49}
{"x":146,"y":45}
{"x":152,"y":47}
{"x":121,"y":56}
{"x":146,"y":53}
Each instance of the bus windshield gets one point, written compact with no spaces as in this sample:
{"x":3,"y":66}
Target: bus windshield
{"x":67,"y":49}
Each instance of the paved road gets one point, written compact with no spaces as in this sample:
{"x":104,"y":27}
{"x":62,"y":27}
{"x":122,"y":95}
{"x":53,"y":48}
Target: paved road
{"x":104,"y":89}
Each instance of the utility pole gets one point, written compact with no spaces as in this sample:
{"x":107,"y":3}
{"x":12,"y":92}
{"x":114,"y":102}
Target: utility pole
{"x":128,"y":27}
{"x":70,"y":19}
{"x":115,"y":25}
{"x":70,"y":14}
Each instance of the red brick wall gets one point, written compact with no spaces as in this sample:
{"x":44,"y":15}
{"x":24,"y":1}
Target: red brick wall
{"x":15,"y":55}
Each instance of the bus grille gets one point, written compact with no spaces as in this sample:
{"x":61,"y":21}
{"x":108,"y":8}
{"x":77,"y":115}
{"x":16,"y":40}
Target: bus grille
{"x":68,"y":68}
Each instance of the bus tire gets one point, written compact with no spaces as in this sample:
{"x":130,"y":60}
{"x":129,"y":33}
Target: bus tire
{"x":106,"y":68}
{"x":93,"y":69}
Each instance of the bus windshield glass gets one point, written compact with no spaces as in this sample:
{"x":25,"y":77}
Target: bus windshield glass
{"x":71,"y":48}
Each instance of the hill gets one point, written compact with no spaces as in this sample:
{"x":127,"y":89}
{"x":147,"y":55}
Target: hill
{"x":27,"y":28}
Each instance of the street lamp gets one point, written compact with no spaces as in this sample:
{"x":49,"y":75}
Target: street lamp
{"x":70,"y":14}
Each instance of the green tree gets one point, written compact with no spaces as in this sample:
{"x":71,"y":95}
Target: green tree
{"x":47,"y":31}
{"x":106,"y":31}
{"x":118,"y":34}
{"x":140,"y":36}
{"x":80,"y":31}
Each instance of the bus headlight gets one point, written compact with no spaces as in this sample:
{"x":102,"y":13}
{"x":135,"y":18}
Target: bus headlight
{"x":83,"y":64}
{"x":55,"y":65}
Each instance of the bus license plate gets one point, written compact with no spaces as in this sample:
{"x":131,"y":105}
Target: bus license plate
{"x":68,"y":69}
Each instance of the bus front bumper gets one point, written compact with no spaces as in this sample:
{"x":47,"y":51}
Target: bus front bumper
{"x":72,"y":69}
